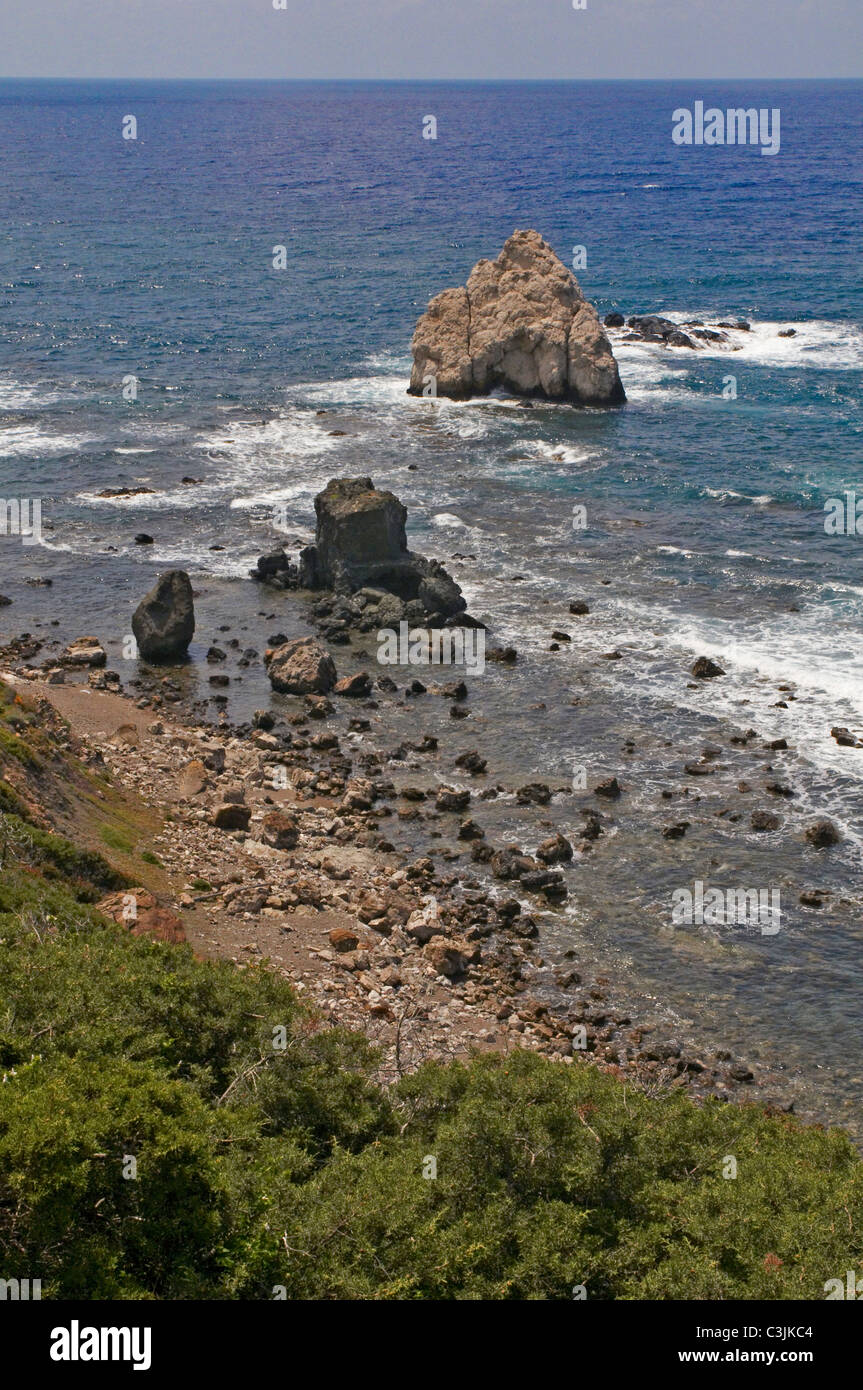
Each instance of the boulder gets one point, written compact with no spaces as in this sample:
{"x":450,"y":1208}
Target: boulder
{"x":343,"y":940}
{"x":554,"y":850}
{"x":232,"y":816}
{"x":193,"y":778}
{"x":448,"y":799}
{"x":164,"y":621}
{"x":301,"y":667}
{"x":84,"y":651}
{"x":521,"y":323}
{"x":610,"y":788}
{"x":280,"y":831}
{"x":137,"y":909}
{"x":450,"y":955}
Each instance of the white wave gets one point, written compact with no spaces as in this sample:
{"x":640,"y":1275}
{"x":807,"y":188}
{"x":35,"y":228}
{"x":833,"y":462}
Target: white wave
{"x":227,"y":564}
{"x":298,"y":434}
{"x":820,"y":343}
{"x":556,"y":453}
{"x":447,"y":519}
{"x":16,"y":395}
{"x":18,"y":441}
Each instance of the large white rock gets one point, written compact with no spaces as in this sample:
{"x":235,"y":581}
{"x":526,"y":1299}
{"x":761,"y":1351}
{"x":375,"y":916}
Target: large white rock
{"x":522,"y":323}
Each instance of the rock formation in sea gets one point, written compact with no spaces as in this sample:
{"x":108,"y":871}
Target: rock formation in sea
{"x":521,"y":323}
{"x":164,"y":621}
{"x":653,"y":328}
{"x":361,"y":549}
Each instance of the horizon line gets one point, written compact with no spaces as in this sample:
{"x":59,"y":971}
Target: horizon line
{"x":119,"y":77}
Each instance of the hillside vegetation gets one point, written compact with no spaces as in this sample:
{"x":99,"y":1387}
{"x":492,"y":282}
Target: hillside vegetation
{"x":171,"y":1128}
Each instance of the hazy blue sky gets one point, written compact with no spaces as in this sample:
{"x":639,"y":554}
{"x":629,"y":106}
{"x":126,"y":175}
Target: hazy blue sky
{"x":431,"y":38}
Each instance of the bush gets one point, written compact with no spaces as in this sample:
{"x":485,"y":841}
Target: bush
{"x":263,"y":1166}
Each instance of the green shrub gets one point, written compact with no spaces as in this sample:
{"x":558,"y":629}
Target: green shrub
{"x":263,"y":1165}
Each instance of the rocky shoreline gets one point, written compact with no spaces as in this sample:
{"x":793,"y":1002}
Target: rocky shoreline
{"x":362,"y":864}
{"x":275,"y":846}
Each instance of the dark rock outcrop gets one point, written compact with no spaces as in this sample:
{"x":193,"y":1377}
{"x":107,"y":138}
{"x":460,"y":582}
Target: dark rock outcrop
{"x":521,"y":323}
{"x":361,"y":556}
{"x":164,"y":621}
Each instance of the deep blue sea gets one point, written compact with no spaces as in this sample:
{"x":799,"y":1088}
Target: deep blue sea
{"x":153,"y":258}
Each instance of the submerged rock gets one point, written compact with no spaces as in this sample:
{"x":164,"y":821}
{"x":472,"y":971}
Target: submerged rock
{"x":164,"y":621}
{"x":823,"y":833}
{"x":522,"y":323}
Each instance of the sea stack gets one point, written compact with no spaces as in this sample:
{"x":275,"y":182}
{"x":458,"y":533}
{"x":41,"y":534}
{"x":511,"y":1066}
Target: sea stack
{"x":521,"y":323}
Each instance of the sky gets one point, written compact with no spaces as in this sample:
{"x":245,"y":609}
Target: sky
{"x":431,"y":38}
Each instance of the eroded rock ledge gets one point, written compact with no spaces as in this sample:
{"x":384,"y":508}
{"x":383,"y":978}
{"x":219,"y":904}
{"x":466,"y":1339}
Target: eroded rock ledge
{"x":521,"y":323}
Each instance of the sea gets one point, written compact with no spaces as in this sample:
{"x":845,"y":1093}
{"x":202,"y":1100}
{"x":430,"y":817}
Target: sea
{"x":219,"y":310}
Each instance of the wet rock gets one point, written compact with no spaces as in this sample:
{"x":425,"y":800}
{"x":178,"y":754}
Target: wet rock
{"x":84,"y":651}
{"x":361,"y":542}
{"x":448,"y":799}
{"x":471,"y":762}
{"x":823,"y":833}
{"x":301,"y":667}
{"x":533,"y":793}
{"x":357,"y":687}
{"x":764,"y":821}
{"x":511,"y":863}
{"x":609,"y":789}
{"x":845,"y":738}
{"x":164,"y":621}
{"x":555,"y":850}
{"x":676,"y":831}
{"x":124,"y":491}
{"x":811,"y":898}
{"x":578,"y":607}
{"x":704,"y":668}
